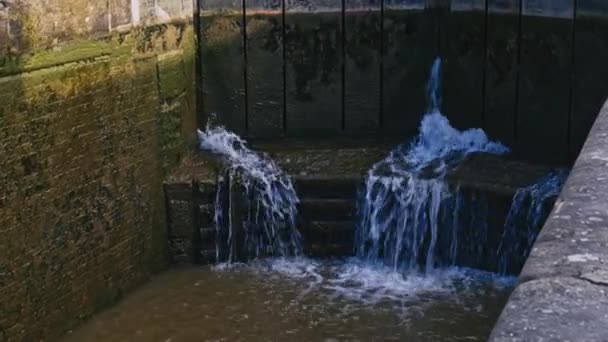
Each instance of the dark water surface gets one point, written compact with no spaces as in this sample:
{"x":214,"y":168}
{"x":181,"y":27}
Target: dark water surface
{"x":304,"y":300}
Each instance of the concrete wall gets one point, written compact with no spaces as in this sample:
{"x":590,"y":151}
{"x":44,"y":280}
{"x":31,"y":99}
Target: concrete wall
{"x":89,"y":126}
{"x":533,"y":78}
{"x":562,"y":292}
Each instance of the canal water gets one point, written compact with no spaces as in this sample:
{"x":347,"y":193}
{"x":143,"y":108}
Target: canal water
{"x":304,"y":300}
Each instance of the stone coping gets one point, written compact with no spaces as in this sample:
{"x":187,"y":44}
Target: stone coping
{"x":562,"y":293}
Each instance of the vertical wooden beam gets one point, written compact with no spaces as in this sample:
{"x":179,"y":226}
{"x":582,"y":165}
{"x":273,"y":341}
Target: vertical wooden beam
{"x":265,"y":68}
{"x":544,"y":81}
{"x":590,"y":86}
{"x":222,"y":45}
{"x":313,"y":43}
{"x":410,"y":46}
{"x":462,"y":50}
{"x":363,"y":34}
{"x":109,"y":9}
{"x":501,"y":70}
{"x":135,"y":12}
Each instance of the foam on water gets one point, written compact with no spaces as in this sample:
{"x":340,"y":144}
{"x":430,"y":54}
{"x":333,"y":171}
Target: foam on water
{"x":399,"y":209}
{"x":269,"y":197}
{"x":410,"y":222}
{"x":353,"y":281}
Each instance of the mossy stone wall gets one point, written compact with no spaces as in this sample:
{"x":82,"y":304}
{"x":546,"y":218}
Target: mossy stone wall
{"x":88,"y":131}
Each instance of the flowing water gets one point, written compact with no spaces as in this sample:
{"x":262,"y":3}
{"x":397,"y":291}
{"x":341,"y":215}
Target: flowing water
{"x":303,"y":300}
{"x":530,"y":207}
{"x":268,"y":216}
{"x":399,"y":211}
{"x":404,"y":284}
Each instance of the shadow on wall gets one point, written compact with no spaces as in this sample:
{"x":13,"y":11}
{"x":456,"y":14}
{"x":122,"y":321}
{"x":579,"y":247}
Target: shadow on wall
{"x":88,"y":129}
{"x":321,"y":69}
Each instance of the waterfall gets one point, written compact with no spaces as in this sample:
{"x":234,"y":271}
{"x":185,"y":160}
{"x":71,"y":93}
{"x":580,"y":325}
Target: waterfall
{"x":258,"y":195}
{"x":400,"y":208}
{"x":530,"y":207}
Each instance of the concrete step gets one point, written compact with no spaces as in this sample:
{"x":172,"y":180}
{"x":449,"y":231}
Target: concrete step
{"x":494,"y":174}
{"x":328,"y":231}
{"x":320,"y":209}
{"x":328,"y":238}
{"x":328,"y":250}
{"x":327,"y":187}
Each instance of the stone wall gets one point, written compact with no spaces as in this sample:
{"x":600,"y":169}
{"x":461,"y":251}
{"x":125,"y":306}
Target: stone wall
{"x":562,"y":293}
{"x":88,"y":130}
{"x":190,"y":195}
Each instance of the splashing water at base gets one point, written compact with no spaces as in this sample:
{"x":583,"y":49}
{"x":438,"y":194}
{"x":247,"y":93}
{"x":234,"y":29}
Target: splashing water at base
{"x":399,"y":209}
{"x":405,"y":213}
{"x":296,"y":300}
{"x":268,"y":197}
{"x":353,"y":282}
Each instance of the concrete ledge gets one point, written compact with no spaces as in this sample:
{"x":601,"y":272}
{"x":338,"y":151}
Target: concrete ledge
{"x":563,"y":290}
{"x":555,"y":309}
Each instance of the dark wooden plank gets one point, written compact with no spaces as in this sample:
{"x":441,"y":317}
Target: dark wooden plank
{"x":223,"y":62}
{"x":313,"y":42}
{"x":590,"y":69}
{"x":265,"y":68}
{"x":462,"y":48}
{"x":501,"y":70}
{"x":544,"y":82}
{"x":362,"y":66}
{"x":410,"y":46}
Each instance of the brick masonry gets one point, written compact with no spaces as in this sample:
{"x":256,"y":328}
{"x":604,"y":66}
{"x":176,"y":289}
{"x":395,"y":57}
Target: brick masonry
{"x":190,"y":193}
{"x":88,"y":131}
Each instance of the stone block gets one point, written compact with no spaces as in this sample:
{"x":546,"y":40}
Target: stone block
{"x":555,"y":309}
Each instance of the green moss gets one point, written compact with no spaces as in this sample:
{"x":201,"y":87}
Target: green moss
{"x":169,"y":123}
{"x":146,"y":40}
{"x":75,"y":51}
{"x":171,"y":75}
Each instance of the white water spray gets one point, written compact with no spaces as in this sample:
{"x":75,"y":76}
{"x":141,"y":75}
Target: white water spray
{"x":265,"y":195}
{"x":530,"y":207}
{"x":406,"y":214}
{"x":399,"y":210}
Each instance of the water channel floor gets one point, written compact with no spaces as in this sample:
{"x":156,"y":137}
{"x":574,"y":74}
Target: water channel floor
{"x":303,"y":300}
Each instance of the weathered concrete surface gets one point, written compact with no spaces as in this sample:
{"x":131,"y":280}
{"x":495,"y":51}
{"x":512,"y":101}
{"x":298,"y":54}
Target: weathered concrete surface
{"x":544,"y":89}
{"x":496,"y":174}
{"x":362,"y":66}
{"x":555,"y":309}
{"x":223,"y":67}
{"x":462,"y":50}
{"x":265,"y":70}
{"x":534,"y":82}
{"x":564,"y":283}
{"x":410,"y":45}
{"x":502,"y":48}
{"x":313,"y":45}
